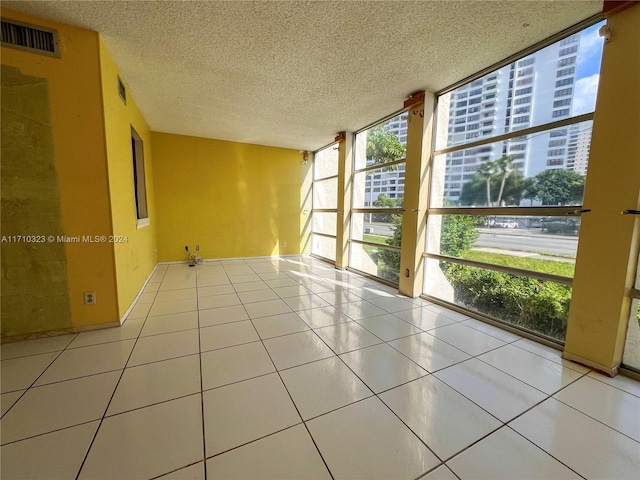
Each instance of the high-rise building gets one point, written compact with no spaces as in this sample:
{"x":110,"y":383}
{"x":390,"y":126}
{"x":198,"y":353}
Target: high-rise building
{"x":388,"y":182}
{"x":578,"y":151}
{"x":535,"y":90}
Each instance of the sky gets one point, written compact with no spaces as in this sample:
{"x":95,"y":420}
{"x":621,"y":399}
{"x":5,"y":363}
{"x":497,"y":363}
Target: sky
{"x":588,"y":71}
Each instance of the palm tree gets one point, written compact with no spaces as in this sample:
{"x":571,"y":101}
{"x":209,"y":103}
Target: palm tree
{"x":504,"y":165}
{"x":487,"y":170}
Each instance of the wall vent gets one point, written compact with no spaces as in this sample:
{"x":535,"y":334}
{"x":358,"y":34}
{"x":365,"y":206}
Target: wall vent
{"x":30,"y":38}
{"x":122,"y":91}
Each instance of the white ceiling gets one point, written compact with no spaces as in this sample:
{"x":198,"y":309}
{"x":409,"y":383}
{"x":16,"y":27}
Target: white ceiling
{"x":294,"y":73}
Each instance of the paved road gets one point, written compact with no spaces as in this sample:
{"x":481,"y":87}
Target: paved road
{"x":516,"y":239}
{"x":526,"y":241}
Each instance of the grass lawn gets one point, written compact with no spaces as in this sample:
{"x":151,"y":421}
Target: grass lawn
{"x":380,"y":239}
{"x":553,"y":267}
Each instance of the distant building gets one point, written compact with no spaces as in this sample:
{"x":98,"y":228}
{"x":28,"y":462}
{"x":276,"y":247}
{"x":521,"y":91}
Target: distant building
{"x":389,"y":183}
{"x":535,"y":90}
{"x":578,"y":151}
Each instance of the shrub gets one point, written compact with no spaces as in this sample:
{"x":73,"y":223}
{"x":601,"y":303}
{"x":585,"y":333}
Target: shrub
{"x":389,"y":264}
{"x":458,"y":234}
{"x":534,"y":304}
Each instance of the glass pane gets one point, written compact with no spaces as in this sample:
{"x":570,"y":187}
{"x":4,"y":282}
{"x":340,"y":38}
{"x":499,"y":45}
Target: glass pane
{"x":380,"y":228}
{"x":324,"y":247}
{"x":540,"y":244}
{"x":325,"y":222}
{"x":382,"y":143}
{"x":631,"y":356}
{"x":559,"y":81}
{"x":382,"y":187}
{"x":544,"y":168}
{"x":325,"y":193}
{"x":325,"y":163}
{"x":537,"y":305}
{"x":375,"y":261}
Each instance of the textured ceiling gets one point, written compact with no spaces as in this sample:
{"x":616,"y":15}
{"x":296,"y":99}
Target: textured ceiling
{"x":294,"y":73}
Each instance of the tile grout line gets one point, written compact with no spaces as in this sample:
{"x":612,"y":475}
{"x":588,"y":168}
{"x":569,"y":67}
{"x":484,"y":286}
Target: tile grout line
{"x":503,"y":424}
{"x":291,"y":398}
{"x":32,"y":386}
{"x":204,"y":437}
{"x":543,"y":450}
{"x":570,"y":367}
{"x":428,"y":373}
{"x":376,"y":395}
{"x":95,"y":435}
{"x":473,"y":356}
{"x":586,"y":414}
{"x":175,"y":470}
{"x":445,"y":466}
{"x":251,"y":441}
{"x":47,"y":433}
{"x":612,"y":386}
{"x":36,"y":379}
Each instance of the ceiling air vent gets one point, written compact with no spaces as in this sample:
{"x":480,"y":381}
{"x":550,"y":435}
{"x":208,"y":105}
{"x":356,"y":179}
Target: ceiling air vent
{"x":31,"y":38}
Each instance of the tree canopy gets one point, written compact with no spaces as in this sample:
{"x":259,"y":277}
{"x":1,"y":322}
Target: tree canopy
{"x":557,"y":187}
{"x":474,"y":191}
{"x":550,"y":187}
{"x":383,"y":147}
{"x":386,"y":202}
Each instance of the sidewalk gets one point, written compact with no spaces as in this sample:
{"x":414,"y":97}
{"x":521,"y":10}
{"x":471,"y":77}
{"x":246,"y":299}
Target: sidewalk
{"x":519,"y":253}
{"x":525,"y":232}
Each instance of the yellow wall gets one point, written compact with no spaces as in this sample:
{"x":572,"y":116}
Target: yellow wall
{"x":607,"y":252}
{"x":136,"y":256}
{"x":80,"y":161}
{"x":233,"y":199}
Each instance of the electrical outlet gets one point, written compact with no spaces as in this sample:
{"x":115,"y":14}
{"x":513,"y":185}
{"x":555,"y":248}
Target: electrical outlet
{"x":197,"y":247}
{"x":284,"y":244}
{"x":89,"y":298}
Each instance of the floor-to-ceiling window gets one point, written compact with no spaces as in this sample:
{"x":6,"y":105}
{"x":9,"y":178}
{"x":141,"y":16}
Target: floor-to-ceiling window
{"x":377,"y":198}
{"x":325,"y":203}
{"x":631,"y":357}
{"x":508,"y":174}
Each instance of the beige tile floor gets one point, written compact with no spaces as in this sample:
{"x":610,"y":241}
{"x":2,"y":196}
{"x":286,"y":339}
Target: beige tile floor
{"x":285,"y":368}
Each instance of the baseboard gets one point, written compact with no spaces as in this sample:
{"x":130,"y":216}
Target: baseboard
{"x":231,"y":259}
{"x":135,"y":300}
{"x":57,"y":333}
{"x":609,"y":371}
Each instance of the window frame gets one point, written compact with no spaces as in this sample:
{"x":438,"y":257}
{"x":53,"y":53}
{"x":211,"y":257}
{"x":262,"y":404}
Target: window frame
{"x":139,"y":180}
{"x":314,"y":210}
{"x":557,"y":211}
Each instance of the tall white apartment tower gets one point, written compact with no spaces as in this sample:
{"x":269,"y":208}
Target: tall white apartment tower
{"x":390,"y":182}
{"x":535,"y":90}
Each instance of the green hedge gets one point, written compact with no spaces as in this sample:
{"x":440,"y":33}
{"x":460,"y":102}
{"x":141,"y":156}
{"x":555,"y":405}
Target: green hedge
{"x":537,"y":305}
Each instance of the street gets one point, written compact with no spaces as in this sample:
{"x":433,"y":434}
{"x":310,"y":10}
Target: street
{"x":526,"y":240}
{"x":512,"y":240}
